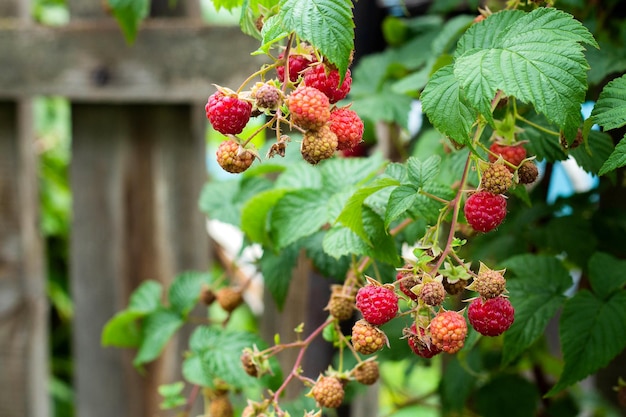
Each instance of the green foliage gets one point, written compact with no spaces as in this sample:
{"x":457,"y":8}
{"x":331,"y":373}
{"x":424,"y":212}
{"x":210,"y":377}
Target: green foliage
{"x":610,"y":113}
{"x":129,"y":15}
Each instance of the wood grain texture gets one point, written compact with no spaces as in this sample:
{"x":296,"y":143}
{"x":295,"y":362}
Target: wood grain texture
{"x":136,"y":175}
{"x":173,"y":60}
{"x":23,"y":303}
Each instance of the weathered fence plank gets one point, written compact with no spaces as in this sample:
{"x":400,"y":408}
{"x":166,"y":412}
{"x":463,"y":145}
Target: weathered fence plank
{"x":23,"y":304}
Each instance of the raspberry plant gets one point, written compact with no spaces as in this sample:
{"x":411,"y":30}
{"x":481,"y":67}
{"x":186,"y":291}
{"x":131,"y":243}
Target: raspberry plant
{"x":435,"y":254}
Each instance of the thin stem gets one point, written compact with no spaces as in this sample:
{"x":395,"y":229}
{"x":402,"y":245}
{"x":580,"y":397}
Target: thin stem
{"x":538,"y":127}
{"x":434,"y":197}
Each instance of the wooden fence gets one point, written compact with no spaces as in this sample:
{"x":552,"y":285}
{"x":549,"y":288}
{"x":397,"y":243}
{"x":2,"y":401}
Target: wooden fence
{"x":138,"y":164}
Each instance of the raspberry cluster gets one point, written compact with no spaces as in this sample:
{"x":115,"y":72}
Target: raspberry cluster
{"x":305,"y":101}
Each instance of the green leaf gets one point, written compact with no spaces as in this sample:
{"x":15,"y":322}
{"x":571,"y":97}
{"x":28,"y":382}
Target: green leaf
{"x":535,"y":57}
{"x":277,"y":269}
{"x":610,"y":109}
{"x":385,"y":105}
{"x":592,"y":157}
{"x":606,"y":274}
{"x":513,"y":393}
{"x":422,"y":172}
{"x":352,"y":214}
{"x":591,"y":332}
{"x":617,"y":159}
{"x":339,"y":174}
{"x":536,"y":292}
{"x":445,"y":106}
{"x":147,"y":297}
{"x":326,"y":24}
{"x":340,"y":241}
{"x":254,"y":214}
{"x":219,"y":352}
{"x":158,"y":328}
{"x":298,"y":214}
{"x":122,"y":330}
{"x":184,"y":292}
{"x":428,"y":208}
{"x":227,"y":4}
{"x":401,"y":199}
{"x":193,"y":372}
{"x":129,"y":14}
{"x":300,"y":175}
{"x":272,"y":32}
{"x":172,"y":394}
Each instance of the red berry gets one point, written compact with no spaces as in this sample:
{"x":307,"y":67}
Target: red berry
{"x":513,"y":154}
{"x":227,"y":113}
{"x":309,"y":108}
{"x":233,"y":158}
{"x":348,"y":127}
{"x":491,"y":317}
{"x":448,"y":330}
{"x":377,"y":303}
{"x":421,"y":343}
{"x":485,"y":211}
{"x":327,"y":81}
{"x":297,"y":64}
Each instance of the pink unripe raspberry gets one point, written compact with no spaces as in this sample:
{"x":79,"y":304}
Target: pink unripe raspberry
{"x":309,"y":108}
{"x":348,"y":127}
{"x":448,"y":330}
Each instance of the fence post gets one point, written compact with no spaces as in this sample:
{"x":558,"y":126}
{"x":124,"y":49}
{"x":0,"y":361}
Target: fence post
{"x":23,"y":303}
{"x":136,"y":174}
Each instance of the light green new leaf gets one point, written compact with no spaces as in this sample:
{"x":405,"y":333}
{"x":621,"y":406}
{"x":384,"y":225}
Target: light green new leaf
{"x":298,"y":214}
{"x":122,"y":330}
{"x":339,"y":174}
{"x":326,"y":24}
{"x":446,"y":107}
{"x":385,"y":105}
{"x":227,"y":4}
{"x":157,"y":329}
{"x":184,"y":292}
{"x":538,"y":58}
{"x":610,"y":110}
{"x":255,"y":212}
{"x":272,"y":32}
{"x":129,"y":15}
{"x":606,"y":274}
{"x":536,"y":292}
{"x":352,"y":214}
{"x":591,"y":332}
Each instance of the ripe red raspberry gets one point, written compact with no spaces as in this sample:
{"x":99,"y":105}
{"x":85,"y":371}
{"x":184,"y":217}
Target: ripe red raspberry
{"x":227,"y":113}
{"x":421,"y":343}
{"x":485,"y":211}
{"x":348,"y":127}
{"x":432,"y":293}
{"x":341,"y":303}
{"x":513,"y":154}
{"x":448,"y":330}
{"x":367,"y":338}
{"x":328,"y":391}
{"x":366,"y":373}
{"x":233,"y":158}
{"x":527,"y":172}
{"x":497,"y":179}
{"x":297,"y":64}
{"x":327,"y":81}
{"x":406,"y":280}
{"x":377,"y":303}
{"x":309,"y":108}
{"x":491,"y":317}
{"x":318,"y":145}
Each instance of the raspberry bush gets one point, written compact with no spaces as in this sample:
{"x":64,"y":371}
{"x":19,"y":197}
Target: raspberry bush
{"x":438,"y":245}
